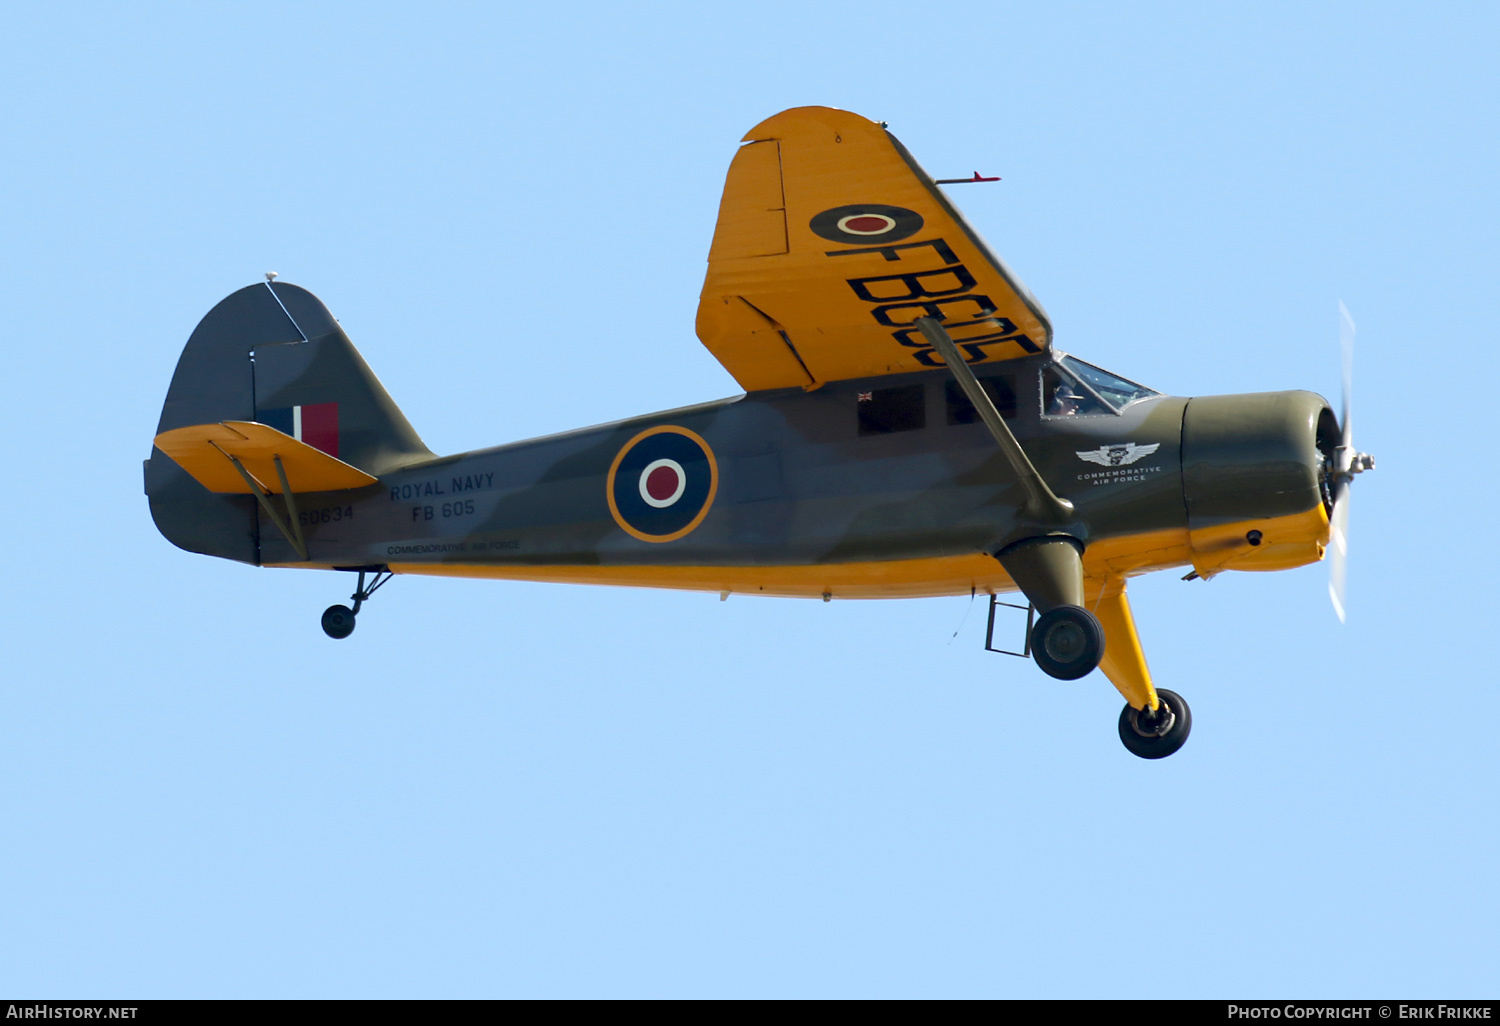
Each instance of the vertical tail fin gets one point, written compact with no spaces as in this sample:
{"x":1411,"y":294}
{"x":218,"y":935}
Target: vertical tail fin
{"x":270,"y":353}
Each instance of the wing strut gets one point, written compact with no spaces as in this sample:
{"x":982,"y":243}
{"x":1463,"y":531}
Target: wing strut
{"x":1043,"y":506}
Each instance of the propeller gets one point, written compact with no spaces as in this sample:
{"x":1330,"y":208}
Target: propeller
{"x":1347,"y":461}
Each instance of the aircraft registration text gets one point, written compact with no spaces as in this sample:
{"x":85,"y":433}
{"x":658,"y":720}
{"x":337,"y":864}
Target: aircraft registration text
{"x":944,"y":292}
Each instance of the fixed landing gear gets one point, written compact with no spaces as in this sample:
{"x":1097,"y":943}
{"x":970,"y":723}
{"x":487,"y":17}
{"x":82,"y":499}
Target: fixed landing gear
{"x":1067,"y":642}
{"x":338,"y":621}
{"x":1159,"y":734}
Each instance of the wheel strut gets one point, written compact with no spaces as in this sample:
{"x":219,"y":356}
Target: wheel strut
{"x":338,"y":621}
{"x":361,"y":593}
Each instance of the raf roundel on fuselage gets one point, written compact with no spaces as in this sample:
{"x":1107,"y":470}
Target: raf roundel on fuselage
{"x":662,"y":483}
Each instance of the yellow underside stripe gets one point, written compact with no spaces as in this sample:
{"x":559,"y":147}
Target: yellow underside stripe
{"x":903,"y":578}
{"x":1289,"y":541}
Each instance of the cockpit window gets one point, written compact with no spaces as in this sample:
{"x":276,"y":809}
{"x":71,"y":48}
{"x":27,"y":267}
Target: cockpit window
{"x":1062,"y":396}
{"x":1112,"y":388}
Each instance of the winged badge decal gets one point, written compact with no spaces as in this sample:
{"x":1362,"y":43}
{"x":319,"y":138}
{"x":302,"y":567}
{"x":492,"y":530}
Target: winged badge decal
{"x":1120,"y":454}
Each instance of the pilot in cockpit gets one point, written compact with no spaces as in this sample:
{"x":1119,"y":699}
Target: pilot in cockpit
{"x":1065,"y":401}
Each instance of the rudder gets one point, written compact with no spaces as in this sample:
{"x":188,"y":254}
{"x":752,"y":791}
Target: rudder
{"x":273,"y":354}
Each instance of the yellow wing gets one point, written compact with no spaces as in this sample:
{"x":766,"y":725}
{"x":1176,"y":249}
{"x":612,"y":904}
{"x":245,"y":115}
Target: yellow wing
{"x":831,"y":241}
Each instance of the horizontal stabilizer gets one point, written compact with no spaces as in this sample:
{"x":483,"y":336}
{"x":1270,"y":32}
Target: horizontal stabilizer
{"x":209,"y":451}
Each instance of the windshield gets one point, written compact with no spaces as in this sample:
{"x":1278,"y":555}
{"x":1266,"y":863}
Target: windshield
{"x":1114,"y":389}
{"x":1062,"y":396}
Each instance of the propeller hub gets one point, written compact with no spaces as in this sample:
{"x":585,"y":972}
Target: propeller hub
{"x":1347,"y":462}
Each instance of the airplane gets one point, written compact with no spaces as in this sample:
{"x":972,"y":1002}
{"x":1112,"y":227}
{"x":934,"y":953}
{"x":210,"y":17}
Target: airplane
{"x":908,"y":428}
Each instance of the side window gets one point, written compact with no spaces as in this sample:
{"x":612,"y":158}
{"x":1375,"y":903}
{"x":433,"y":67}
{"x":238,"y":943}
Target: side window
{"x":884,"y":411}
{"x":960,"y":411}
{"x":1064,"y":397}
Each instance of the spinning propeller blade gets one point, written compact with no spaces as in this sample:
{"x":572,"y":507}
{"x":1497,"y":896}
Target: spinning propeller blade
{"x":1338,"y":544}
{"x":1346,"y":463}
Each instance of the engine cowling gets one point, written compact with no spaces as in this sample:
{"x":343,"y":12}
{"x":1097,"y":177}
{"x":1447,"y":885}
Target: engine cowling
{"x":1255,"y":479}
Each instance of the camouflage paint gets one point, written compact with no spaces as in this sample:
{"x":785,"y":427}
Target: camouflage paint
{"x":797,"y":485}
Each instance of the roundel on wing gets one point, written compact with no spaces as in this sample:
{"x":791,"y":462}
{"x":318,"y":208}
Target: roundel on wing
{"x":662,"y":483}
{"x":869,"y":224}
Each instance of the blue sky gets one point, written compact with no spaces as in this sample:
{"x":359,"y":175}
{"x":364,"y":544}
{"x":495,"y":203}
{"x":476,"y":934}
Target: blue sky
{"x":529,"y":790}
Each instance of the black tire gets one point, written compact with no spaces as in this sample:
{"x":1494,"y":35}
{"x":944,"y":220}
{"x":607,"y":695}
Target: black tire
{"x":338,"y":621}
{"x":1067,"y":642}
{"x":1157,"y":741}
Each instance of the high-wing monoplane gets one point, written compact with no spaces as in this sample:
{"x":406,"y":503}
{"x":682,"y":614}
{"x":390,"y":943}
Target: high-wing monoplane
{"x":908,"y":429}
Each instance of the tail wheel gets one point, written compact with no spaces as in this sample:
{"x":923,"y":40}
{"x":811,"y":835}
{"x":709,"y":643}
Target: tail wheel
{"x":1067,"y":642}
{"x":338,"y":621}
{"x":1159,"y":734}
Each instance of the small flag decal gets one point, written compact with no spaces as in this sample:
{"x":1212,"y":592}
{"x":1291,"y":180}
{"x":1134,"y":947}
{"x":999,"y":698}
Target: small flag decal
{"x":316,"y":424}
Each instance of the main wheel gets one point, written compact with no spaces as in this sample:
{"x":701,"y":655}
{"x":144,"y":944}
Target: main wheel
{"x":1067,"y":642}
{"x":1157,"y":736}
{"x":338,"y":621}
